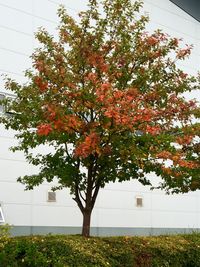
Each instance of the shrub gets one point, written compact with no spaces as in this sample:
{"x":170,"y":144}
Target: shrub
{"x":5,"y":230}
{"x":67,"y":251}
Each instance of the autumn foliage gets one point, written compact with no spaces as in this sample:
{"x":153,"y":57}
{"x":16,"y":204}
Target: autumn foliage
{"x":110,"y":98}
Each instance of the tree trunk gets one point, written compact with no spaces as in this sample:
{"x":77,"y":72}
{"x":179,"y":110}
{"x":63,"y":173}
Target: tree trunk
{"x":86,"y":223}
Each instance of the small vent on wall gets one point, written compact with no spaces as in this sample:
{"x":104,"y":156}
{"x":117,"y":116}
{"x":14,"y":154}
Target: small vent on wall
{"x":51,"y":196}
{"x":139,"y":202}
{"x":2,"y":109}
{"x":2,"y":220}
{"x":7,"y":110}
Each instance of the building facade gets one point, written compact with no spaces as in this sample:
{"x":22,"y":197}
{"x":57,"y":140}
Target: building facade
{"x":121,"y":208}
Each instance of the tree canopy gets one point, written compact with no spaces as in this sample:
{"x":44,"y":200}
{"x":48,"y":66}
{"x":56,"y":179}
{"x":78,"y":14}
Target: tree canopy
{"x":109,"y":98}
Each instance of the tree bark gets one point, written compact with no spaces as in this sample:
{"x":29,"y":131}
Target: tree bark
{"x":86,"y":222}
{"x":86,"y":205}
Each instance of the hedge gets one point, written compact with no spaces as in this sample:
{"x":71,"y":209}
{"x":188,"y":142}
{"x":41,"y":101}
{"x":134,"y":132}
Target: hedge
{"x":61,"y":251}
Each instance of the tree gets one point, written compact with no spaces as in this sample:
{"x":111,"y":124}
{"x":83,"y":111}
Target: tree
{"x":108,"y":97}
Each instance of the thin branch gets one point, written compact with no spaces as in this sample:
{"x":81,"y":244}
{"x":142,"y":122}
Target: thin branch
{"x":96,"y":191}
{"x":81,"y":196}
{"x":66,"y":149}
{"x":77,"y":198}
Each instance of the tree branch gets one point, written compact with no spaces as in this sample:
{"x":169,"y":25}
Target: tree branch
{"x":96,"y":191}
{"x":77,"y":198}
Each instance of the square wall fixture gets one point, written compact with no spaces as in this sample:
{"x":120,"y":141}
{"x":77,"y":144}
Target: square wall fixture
{"x":139,"y":201}
{"x":2,"y":96}
{"x":51,"y":196}
{"x":2,"y":220}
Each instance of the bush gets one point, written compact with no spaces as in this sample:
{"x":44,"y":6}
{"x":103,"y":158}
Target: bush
{"x":5,"y":230}
{"x":67,"y":251}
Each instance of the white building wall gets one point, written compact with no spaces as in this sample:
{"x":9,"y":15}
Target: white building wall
{"x":116,"y":204}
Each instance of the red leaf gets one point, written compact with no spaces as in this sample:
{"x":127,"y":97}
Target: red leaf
{"x":44,"y":129}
